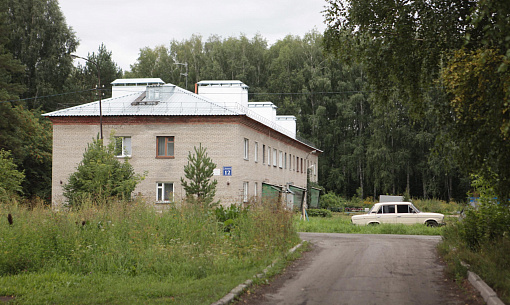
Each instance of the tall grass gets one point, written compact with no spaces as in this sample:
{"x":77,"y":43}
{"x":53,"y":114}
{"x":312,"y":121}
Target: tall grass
{"x":486,"y":254}
{"x":95,"y":245}
{"x":340,"y":223}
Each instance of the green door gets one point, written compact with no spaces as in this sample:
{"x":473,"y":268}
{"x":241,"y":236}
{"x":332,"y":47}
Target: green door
{"x":271,"y":193}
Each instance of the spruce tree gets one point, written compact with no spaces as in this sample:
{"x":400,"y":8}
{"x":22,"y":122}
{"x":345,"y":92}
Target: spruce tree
{"x":199,"y":171}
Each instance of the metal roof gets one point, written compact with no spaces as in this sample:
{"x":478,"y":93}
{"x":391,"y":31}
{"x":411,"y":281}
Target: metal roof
{"x":134,"y":81}
{"x":222,"y":83}
{"x":165,"y":100}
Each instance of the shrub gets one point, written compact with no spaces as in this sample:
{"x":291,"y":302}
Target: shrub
{"x":11,"y":177}
{"x":331,"y":200}
{"x":227,"y":216}
{"x":319,"y":213}
{"x":100,"y":175}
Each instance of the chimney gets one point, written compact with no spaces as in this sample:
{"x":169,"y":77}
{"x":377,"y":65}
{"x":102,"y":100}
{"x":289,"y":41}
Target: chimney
{"x":228,"y":93}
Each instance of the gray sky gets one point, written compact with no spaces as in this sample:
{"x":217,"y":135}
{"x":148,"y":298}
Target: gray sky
{"x":126,"y":26}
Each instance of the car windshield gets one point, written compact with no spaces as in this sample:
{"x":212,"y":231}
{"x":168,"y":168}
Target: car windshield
{"x":417,"y":211}
{"x":370,"y":211}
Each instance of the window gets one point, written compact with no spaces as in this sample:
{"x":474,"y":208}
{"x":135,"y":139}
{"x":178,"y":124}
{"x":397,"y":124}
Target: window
{"x":263,"y":154}
{"x":165,"y":147}
{"x":387,"y":209}
{"x":269,"y":156}
{"x":165,"y":192}
{"x":256,"y":152}
{"x":280,"y":159}
{"x":255,"y":190}
{"x":123,"y":146}
{"x":275,"y":156}
{"x":405,"y":208}
{"x":246,"y":149}
{"x":285,"y":161}
{"x":245,"y":191}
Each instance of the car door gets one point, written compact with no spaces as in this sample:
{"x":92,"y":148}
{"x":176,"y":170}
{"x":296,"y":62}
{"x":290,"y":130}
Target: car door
{"x":406,"y":214}
{"x":386,"y":214}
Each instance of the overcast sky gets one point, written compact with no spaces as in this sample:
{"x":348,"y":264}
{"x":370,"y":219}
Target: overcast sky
{"x":126,"y":26}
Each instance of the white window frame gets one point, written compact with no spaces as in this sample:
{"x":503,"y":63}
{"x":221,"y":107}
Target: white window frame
{"x":126,"y":146}
{"x":269,"y":156}
{"x":161,"y":186}
{"x":255,"y":190}
{"x":246,"y":149}
{"x":256,"y":148}
{"x":285,"y":161}
{"x":275,"y":157}
{"x":280,"y":159}
{"x":246,"y":186}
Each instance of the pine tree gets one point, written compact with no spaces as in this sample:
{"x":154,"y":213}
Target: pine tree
{"x":199,"y":171}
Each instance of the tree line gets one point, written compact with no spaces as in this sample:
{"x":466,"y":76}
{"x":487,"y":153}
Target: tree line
{"x":369,"y":92}
{"x":370,"y":148}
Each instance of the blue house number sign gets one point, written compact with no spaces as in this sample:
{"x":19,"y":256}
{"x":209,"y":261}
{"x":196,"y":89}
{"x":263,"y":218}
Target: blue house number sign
{"x":227,"y":170}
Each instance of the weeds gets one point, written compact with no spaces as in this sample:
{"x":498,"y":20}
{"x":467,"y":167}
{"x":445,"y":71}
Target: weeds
{"x":98,"y":246}
{"x":341,"y":223}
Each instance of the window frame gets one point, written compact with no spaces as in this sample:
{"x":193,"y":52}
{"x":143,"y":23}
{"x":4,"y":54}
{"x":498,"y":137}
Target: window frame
{"x":246,"y":186}
{"x":256,"y":152}
{"x":123,"y":145}
{"x":165,"y":156}
{"x":161,"y":185}
{"x":275,"y":157}
{"x":246,"y":149}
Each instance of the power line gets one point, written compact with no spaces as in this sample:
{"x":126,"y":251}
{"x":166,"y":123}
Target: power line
{"x":46,"y":96}
{"x":249,"y":93}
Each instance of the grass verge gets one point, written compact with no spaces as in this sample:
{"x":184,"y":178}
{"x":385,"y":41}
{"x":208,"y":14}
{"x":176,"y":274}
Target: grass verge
{"x":132,"y":254}
{"x":341,"y":223}
{"x":490,"y":259}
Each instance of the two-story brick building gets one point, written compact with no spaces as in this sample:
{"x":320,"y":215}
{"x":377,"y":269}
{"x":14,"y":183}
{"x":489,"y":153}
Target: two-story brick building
{"x":256,"y":151}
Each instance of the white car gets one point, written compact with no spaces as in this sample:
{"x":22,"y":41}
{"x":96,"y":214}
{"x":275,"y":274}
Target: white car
{"x":397,"y":212}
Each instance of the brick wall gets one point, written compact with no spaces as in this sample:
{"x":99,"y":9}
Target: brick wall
{"x":223,"y":137}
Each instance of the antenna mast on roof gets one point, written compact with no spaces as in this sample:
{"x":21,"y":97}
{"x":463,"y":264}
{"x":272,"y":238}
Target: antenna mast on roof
{"x":184,"y":74}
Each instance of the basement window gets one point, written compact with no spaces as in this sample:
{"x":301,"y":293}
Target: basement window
{"x":165,"y":192}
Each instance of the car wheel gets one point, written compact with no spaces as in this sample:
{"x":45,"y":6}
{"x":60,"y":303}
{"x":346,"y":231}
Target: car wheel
{"x":373,"y":223}
{"x":431,"y":223}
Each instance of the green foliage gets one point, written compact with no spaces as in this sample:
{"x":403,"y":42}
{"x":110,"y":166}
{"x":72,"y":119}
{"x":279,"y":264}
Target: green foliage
{"x":100,"y":175}
{"x":410,"y":52}
{"x":371,"y":147}
{"x":12,"y":178}
{"x":319,"y":213}
{"x":330,"y":200}
{"x":480,"y":104}
{"x":9,"y":66}
{"x":41,"y":40}
{"x":199,"y":171}
{"x":481,"y":239}
{"x":28,"y":136}
{"x":227,"y":216}
{"x":96,"y":247}
{"x":464,"y":242}
{"x":340,"y":223}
